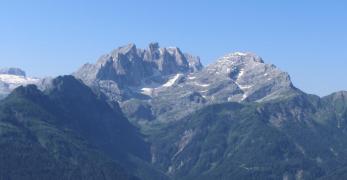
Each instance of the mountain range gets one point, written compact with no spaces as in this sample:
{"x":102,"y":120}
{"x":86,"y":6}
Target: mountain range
{"x":157,"y":113}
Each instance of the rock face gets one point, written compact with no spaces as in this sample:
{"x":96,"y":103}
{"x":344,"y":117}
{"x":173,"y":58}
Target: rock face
{"x":165,"y":84}
{"x":11,"y":78}
{"x":121,"y":73}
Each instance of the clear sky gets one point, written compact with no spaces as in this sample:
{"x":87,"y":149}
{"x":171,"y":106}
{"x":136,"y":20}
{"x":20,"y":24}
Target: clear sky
{"x":307,"y":38}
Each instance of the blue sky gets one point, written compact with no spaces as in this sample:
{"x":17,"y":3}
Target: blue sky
{"x":308,"y":38}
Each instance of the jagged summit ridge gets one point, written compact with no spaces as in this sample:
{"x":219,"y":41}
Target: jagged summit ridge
{"x":124,"y":71}
{"x":137,"y":64}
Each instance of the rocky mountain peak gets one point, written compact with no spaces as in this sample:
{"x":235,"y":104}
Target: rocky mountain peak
{"x":149,"y":61}
{"x":129,"y":48}
{"x":131,"y":67}
{"x":338,"y":98}
{"x":154,"y":46}
{"x":236,"y":64}
{"x":29,"y":90}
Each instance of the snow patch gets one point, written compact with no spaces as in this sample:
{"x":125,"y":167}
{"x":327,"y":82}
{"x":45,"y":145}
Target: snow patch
{"x":244,"y":96}
{"x":243,"y":87}
{"x":202,"y":85}
{"x":172,"y":81}
{"x":241,"y":73}
{"x":171,"y":50}
{"x":191,"y":77}
{"x":147,"y":91}
{"x":239,"y":54}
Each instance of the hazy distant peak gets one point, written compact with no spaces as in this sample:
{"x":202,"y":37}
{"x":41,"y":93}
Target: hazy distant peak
{"x":11,"y":78}
{"x":12,"y":71}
